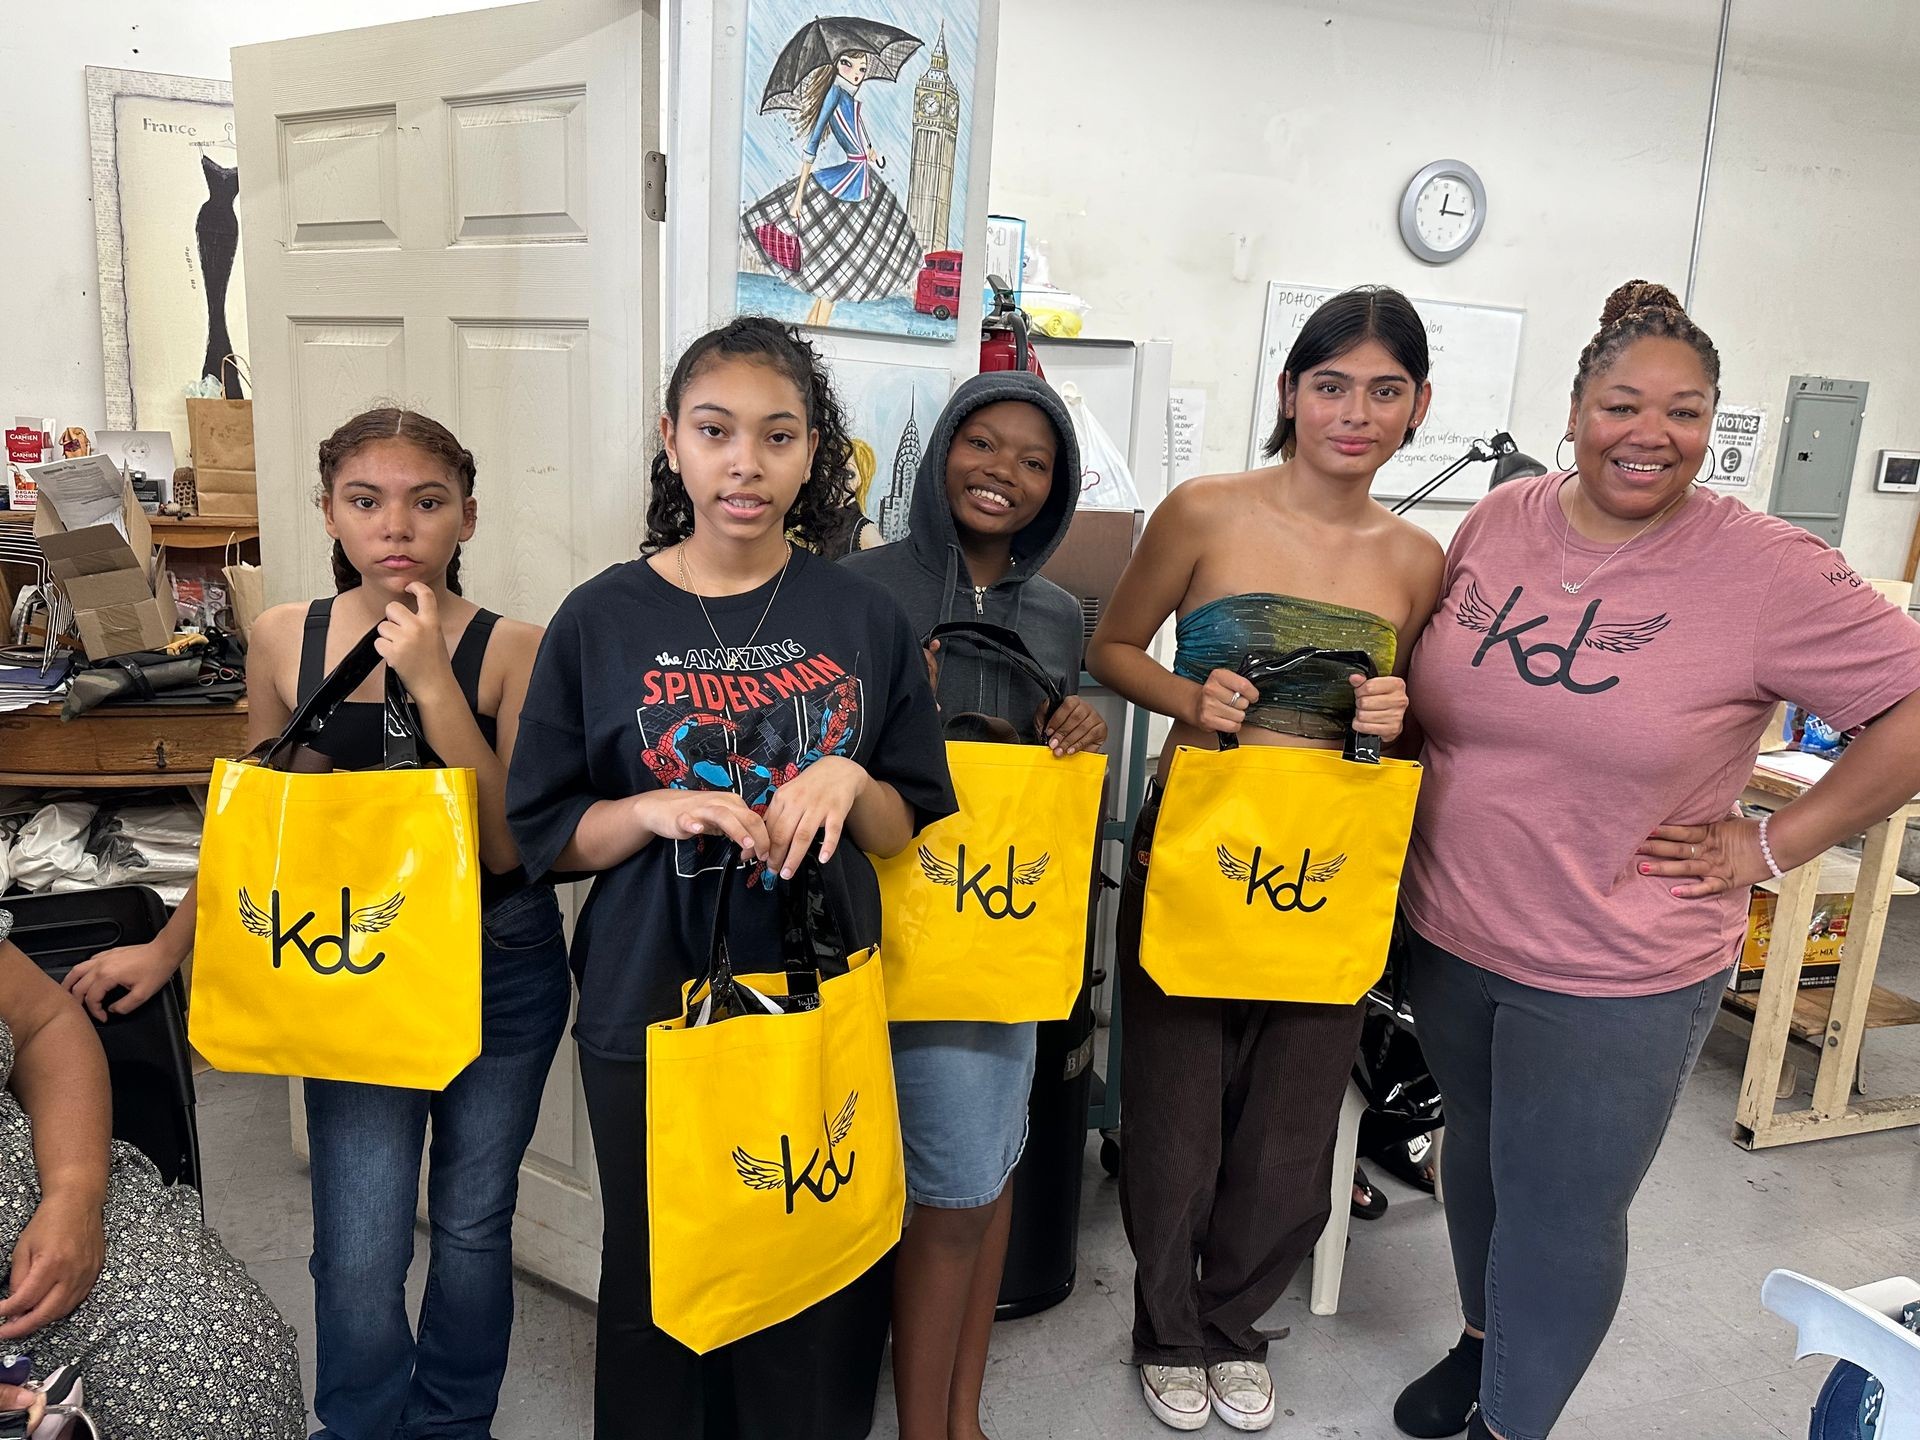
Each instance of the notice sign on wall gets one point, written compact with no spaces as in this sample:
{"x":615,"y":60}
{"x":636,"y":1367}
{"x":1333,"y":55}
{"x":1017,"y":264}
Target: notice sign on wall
{"x":1736,"y":444}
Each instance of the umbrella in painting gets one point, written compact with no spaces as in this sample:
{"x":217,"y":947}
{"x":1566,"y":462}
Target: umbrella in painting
{"x":837,"y":232}
{"x":817,"y":45}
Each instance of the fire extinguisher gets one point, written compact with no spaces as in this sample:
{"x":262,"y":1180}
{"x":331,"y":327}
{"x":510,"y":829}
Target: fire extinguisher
{"x":1004,"y":335}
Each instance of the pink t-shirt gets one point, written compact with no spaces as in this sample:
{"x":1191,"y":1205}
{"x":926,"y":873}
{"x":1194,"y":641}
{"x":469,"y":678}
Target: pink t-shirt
{"x":1561,"y":729}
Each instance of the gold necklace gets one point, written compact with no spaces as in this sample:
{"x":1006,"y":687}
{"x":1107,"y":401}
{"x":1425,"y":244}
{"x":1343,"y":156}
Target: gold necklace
{"x":1566,"y":534}
{"x":726,"y":651}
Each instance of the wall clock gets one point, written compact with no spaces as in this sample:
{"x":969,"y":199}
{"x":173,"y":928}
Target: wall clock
{"x":1442,"y":211}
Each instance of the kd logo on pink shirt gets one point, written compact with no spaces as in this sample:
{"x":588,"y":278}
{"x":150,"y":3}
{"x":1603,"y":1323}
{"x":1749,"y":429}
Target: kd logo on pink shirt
{"x":1615,"y":638}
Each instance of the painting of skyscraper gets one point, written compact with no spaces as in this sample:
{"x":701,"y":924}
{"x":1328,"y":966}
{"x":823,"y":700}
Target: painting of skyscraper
{"x":886,"y":406}
{"x":854,"y":156}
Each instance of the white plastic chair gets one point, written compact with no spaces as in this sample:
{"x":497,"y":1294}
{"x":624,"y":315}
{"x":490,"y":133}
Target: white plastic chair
{"x":1330,"y":1252}
{"x":1861,"y":1325}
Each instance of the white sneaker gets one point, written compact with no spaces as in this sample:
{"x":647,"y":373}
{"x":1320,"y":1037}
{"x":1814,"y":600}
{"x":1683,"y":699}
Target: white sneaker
{"x":1242,"y":1393}
{"x":1176,"y":1394}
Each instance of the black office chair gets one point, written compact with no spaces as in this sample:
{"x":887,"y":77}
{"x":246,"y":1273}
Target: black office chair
{"x":148,"y":1062}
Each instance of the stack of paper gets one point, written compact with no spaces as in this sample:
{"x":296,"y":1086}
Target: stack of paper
{"x":22,"y":684}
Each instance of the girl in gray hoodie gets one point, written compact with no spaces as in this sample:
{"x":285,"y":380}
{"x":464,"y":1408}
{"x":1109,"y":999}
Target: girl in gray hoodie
{"x":992,"y":501}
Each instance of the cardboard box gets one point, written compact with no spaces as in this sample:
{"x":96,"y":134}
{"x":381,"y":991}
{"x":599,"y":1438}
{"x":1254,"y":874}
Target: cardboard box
{"x":29,"y":442}
{"x":1822,"y":962}
{"x":108,"y":576}
{"x":225,"y":494}
{"x":1832,"y":910}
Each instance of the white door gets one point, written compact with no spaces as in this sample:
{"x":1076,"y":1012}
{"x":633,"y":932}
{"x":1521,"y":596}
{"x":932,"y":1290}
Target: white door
{"x":447,"y":214}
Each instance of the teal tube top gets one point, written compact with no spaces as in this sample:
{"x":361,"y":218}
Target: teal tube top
{"x":1313,"y":700}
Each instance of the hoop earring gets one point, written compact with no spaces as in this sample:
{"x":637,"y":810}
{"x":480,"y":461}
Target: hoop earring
{"x":1558,"y":463}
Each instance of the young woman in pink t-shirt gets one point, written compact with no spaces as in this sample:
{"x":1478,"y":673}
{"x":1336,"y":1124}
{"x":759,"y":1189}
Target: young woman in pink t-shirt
{"x":1592,"y":689}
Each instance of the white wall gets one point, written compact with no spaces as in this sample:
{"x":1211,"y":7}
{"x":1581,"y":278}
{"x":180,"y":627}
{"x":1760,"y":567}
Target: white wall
{"x":50,"y":360}
{"x":1137,"y":157}
{"x":1811,"y":260}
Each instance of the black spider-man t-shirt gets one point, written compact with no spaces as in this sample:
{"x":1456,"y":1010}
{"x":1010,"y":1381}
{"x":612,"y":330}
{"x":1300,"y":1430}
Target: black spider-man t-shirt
{"x":631,"y":693}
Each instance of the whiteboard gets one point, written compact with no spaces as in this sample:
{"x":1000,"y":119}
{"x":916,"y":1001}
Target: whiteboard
{"x":1475,"y":350}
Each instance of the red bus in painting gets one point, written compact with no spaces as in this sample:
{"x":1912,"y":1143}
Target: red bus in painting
{"x":937,"y":292}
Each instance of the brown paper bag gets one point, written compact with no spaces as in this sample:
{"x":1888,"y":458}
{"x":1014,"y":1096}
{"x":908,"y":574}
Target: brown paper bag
{"x":246,"y":589}
{"x":221,"y":435}
{"x":225,"y":494}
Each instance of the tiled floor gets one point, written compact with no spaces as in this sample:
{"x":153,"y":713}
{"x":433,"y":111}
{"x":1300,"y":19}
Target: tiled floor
{"x":1692,"y":1355}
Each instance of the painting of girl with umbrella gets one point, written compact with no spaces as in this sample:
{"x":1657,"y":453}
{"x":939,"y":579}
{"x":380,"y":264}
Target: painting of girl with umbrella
{"x":853,"y":167}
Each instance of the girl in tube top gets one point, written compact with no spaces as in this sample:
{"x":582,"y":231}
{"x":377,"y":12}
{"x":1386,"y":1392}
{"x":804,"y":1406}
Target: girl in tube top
{"x":1231,"y":1106}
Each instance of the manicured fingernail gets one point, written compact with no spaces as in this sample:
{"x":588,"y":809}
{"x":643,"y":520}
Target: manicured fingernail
{"x":1646,"y":869}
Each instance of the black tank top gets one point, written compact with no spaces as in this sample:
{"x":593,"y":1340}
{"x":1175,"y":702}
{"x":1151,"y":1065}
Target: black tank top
{"x":352,"y":736}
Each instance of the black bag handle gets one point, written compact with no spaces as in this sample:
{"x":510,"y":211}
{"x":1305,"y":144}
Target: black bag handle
{"x":1007,"y":644}
{"x":402,"y":742}
{"x":722,"y":986}
{"x":1260,"y":665}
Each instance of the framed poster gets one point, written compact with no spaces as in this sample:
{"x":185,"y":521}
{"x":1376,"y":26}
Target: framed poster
{"x":854,"y":152}
{"x":172,"y":297}
{"x":890,"y":411}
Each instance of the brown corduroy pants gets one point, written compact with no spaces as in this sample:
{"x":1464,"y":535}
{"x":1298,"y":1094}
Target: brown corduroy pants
{"x":1228,"y":1112}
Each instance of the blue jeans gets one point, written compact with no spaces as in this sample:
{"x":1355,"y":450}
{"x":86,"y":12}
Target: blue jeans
{"x":1555,"y":1105}
{"x":375,"y":1380}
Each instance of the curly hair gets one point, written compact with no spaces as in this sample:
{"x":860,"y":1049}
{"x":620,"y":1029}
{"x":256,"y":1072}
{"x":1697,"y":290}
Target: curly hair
{"x":826,"y":509}
{"x":422,"y":432}
{"x":1638,"y":310}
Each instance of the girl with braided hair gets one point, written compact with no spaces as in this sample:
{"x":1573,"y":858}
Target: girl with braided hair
{"x":729,"y":688}
{"x":1593,"y":688}
{"x":397,"y":493}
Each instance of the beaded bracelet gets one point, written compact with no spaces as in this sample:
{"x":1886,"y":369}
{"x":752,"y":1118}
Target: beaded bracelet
{"x":1766,"y":850}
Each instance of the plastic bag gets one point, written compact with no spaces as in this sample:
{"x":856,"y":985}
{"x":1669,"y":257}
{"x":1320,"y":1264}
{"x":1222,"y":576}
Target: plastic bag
{"x":1106,"y":482}
{"x":51,"y":848}
{"x":155,"y":844}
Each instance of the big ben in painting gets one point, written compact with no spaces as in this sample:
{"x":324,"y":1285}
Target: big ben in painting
{"x":936,"y":130}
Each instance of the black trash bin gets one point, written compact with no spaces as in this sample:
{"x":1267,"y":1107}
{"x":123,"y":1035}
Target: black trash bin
{"x":1043,"y":1248}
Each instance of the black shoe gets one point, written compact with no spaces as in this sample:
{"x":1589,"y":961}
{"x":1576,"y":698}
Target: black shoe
{"x":1477,"y":1427}
{"x":1444,"y":1400}
{"x":1375,"y":1205}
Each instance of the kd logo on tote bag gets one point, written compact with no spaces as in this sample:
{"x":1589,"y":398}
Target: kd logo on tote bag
{"x":1276,"y":870}
{"x":985,"y":915}
{"x":338,"y":929}
{"x":774,"y":1169}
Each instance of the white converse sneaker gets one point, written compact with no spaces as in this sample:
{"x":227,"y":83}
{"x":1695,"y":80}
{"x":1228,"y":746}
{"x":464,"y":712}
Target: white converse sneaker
{"x":1242,"y":1393}
{"x":1177,"y":1395}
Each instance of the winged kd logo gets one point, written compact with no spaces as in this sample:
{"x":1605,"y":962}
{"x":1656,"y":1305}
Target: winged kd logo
{"x":830,"y":1179}
{"x":1262,"y":879}
{"x":368,"y":920}
{"x":1613,"y":638}
{"x":997,"y":902}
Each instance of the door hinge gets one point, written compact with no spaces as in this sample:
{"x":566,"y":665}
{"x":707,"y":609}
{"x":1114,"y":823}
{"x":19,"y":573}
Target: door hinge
{"x":653,"y":193}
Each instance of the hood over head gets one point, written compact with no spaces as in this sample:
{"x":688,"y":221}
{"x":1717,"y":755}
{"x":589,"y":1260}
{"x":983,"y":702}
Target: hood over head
{"x":932,"y":533}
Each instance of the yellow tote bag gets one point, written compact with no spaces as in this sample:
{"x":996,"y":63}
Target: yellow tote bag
{"x":774,"y":1170}
{"x":338,"y":928}
{"x":1275,"y":871}
{"x":984,"y":916}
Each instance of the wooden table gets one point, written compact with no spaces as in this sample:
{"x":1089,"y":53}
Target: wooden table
{"x":195,"y":532}
{"x":1833,"y":1020}
{"x":119,"y":746}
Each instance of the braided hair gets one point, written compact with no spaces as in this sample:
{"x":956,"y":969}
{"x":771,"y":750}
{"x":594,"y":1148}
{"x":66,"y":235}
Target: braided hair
{"x":826,"y":508}
{"x":422,"y":432}
{"x":1640,"y":310}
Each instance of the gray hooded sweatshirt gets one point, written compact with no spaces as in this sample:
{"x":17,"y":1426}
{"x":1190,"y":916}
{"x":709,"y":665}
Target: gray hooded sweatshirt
{"x":928,"y":575}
